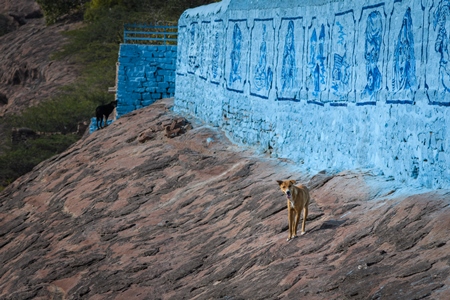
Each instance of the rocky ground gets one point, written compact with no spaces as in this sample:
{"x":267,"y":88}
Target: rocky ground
{"x":128,"y":213}
{"x":28,"y":74}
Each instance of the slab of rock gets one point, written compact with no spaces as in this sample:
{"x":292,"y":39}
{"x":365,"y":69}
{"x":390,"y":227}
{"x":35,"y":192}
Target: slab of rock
{"x":28,"y":75}
{"x":26,"y":7}
{"x":195,"y":217}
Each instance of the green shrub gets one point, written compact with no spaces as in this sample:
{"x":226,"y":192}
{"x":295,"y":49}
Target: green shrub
{"x":62,"y":113}
{"x":57,"y":119}
{"x":22,"y":158}
{"x":55,"y":9}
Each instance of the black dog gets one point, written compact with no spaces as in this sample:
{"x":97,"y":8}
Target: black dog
{"x":104,"y":110}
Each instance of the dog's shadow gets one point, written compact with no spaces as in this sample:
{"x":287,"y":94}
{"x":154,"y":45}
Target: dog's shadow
{"x":327,"y":224}
{"x":331,"y":224}
{"x":318,"y":215}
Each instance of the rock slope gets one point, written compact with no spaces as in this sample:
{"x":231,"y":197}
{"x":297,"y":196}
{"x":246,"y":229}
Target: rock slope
{"x":28,"y":75}
{"x":130,"y":213}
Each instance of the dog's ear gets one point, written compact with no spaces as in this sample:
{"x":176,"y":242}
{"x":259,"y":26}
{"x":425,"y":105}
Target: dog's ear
{"x":293,"y":181}
{"x":280,"y":182}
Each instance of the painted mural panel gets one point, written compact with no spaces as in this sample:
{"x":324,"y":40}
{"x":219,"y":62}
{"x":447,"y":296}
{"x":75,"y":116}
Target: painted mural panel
{"x":402,"y":82}
{"x":438,"y":78}
{"x":262,"y":57}
{"x":317,"y":60}
{"x":371,"y":33}
{"x":182,"y":46}
{"x":342,"y":57}
{"x":217,"y":51}
{"x":204,"y":53}
{"x":193,"y":62}
{"x":237,"y":55}
{"x":391,"y":54}
{"x":289,"y":79}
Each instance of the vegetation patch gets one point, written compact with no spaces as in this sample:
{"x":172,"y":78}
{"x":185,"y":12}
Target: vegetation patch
{"x":94,"y":48}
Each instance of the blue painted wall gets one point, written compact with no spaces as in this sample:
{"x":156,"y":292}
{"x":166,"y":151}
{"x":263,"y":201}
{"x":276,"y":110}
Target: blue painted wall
{"x":329,"y":84}
{"x":146,"y":73}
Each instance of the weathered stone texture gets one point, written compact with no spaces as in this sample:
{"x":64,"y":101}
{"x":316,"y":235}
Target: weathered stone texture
{"x":27,"y":73}
{"x":333,"y":85}
{"x":196,"y":217}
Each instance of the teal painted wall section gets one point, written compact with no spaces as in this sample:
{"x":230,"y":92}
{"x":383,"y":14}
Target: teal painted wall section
{"x":146,"y":74}
{"x":93,"y":126}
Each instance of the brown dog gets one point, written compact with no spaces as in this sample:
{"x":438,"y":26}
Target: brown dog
{"x":297,"y":200}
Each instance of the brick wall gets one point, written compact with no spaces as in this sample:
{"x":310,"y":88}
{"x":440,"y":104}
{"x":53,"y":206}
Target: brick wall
{"x":146,"y":73}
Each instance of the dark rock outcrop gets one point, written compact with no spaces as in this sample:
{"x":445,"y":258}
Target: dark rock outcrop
{"x":21,"y":135}
{"x":195,"y":217}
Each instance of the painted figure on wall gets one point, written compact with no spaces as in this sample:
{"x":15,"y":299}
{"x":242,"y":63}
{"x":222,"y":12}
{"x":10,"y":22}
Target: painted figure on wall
{"x":441,"y":45}
{"x":374,"y":38}
{"x":193,"y":64}
{"x":263,"y":74}
{"x":235,"y":73}
{"x":341,"y":74}
{"x":202,"y":64}
{"x":404,"y":61}
{"x":317,"y":60}
{"x":181,"y":50}
{"x":215,"y":57}
{"x":288,"y":68}
{"x":341,"y":68}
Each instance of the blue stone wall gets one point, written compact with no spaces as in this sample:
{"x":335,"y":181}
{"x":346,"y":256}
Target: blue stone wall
{"x":146,"y":73}
{"x":93,"y":125}
{"x":329,"y":84}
